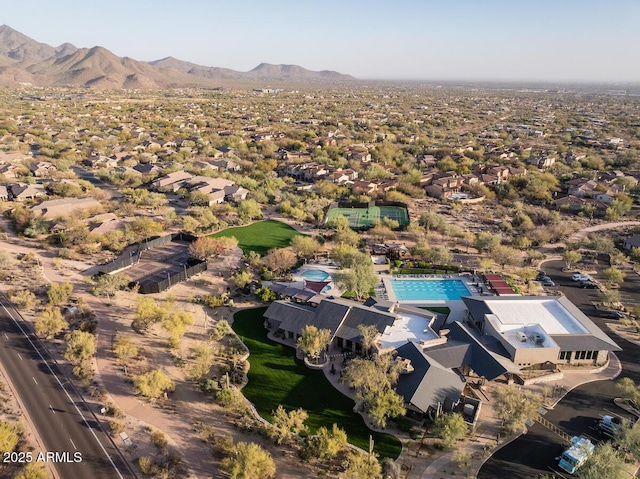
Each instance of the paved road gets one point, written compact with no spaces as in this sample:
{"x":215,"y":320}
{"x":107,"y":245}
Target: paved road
{"x":58,"y":414}
{"x":534,"y":453}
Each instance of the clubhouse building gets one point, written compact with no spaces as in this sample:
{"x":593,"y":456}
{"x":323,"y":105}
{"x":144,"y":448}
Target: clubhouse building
{"x":494,"y":336}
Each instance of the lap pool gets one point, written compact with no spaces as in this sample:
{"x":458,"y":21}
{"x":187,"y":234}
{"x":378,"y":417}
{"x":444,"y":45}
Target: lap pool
{"x":428,"y":289}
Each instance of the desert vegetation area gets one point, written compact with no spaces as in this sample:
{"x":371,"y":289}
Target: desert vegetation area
{"x":492,"y":180}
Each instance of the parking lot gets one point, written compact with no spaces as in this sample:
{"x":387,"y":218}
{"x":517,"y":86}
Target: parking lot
{"x":580,"y":410}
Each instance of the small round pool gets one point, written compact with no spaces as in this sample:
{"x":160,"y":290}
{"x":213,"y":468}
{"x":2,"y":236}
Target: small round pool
{"x":315,"y":275}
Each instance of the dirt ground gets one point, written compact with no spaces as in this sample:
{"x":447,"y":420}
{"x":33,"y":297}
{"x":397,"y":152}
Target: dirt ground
{"x":184,"y":413}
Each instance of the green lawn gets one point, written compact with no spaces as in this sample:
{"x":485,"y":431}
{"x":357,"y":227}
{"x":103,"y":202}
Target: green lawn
{"x":261,"y":236}
{"x":276,"y":377}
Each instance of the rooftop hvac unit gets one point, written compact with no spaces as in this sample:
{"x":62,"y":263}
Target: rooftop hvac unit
{"x":521,"y":337}
{"x":538,"y":339}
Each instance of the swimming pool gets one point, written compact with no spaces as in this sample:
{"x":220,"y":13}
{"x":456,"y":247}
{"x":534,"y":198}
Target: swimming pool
{"x":429,"y":289}
{"x":315,"y":275}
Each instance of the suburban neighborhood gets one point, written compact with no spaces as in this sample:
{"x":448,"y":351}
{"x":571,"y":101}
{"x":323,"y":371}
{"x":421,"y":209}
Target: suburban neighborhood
{"x":336,"y":280}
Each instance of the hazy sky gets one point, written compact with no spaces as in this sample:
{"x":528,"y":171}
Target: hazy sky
{"x":566,"y":40}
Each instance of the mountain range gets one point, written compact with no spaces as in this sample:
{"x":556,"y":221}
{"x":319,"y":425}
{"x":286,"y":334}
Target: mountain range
{"x":24,"y":60}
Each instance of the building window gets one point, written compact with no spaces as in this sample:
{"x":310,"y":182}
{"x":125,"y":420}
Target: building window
{"x":565,"y":355}
{"x":584,"y":354}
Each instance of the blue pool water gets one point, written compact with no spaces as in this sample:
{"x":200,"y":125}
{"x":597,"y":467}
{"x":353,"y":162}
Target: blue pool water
{"x":429,"y":289}
{"x":315,"y":275}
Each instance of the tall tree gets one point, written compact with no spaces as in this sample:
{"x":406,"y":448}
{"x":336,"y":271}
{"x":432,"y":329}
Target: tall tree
{"x":288,"y":424}
{"x":514,"y":407}
{"x":153,"y":384}
{"x":249,"y":461}
{"x":613,"y":275}
{"x":451,"y":428}
{"x":571,"y":257}
{"x":242,"y":278}
{"x":604,"y":463}
{"x":108,"y":284}
{"x":373,"y":381}
{"x":331,"y":442}
{"x":359,"y":279}
{"x":206,"y":246}
{"x":49,"y":323}
{"x":249,"y":210}
{"x":313,"y":341}
{"x":280,"y":260}
{"x":81,"y":347}
{"x":359,"y":465}
{"x":368,"y":335}
{"x":59,"y":293}
{"x":9,"y":436}
{"x":304,"y":246}
{"x":504,"y":255}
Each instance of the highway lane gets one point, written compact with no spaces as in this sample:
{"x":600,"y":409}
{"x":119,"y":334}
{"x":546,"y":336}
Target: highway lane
{"x":54,"y":408}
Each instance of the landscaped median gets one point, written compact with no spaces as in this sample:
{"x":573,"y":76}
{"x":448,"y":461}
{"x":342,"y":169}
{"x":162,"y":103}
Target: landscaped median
{"x":276,"y":377}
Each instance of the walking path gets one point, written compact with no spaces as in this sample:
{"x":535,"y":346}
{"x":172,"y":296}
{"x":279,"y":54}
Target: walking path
{"x":193,"y":450}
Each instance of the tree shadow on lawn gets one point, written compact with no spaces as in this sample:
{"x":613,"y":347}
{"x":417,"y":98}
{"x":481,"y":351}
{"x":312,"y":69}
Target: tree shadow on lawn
{"x":276,"y":377}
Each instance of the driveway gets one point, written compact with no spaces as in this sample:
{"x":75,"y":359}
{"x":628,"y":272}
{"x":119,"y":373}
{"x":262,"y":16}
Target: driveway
{"x":577,"y":413}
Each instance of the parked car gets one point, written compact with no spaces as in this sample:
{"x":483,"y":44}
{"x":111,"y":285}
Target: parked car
{"x":615,"y":315}
{"x":588,"y":285}
{"x":580,"y":277}
{"x":610,"y":425}
{"x":547,"y":282}
{"x":541,"y":275}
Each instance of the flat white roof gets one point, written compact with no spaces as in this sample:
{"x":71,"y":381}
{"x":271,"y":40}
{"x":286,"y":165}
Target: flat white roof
{"x":552,"y":317}
{"x":529,"y":336}
{"x":407,"y":327}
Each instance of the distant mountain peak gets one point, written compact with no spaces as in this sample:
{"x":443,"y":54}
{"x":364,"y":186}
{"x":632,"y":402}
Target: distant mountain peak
{"x":66,"y":65}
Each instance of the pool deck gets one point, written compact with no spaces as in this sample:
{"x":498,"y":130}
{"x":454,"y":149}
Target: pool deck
{"x":457,"y":307}
{"x":328,"y":266}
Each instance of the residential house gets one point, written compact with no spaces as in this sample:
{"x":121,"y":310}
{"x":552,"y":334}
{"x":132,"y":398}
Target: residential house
{"x":10,"y":170}
{"x":42,"y":169}
{"x":342,"y":176}
{"x":576,"y":204}
{"x":608,"y":196}
{"x":63,"y":207}
{"x":147,"y":168}
{"x":235,"y":193}
{"x":168,"y":181}
{"x":541,"y":161}
{"x":22,"y":192}
{"x":364,"y":187}
{"x":581,"y":187}
{"x":358,"y":153}
{"x":226,"y":165}
{"x":4,"y":193}
{"x":100,"y":161}
{"x":224,"y":150}
{"x":632,"y":242}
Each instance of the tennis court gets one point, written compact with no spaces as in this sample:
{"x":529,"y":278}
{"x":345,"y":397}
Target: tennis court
{"x":368,"y":217}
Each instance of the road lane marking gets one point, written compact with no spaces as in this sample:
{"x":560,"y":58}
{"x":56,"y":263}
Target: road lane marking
{"x":34,"y":380}
{"x":74,"y":446}
{"x":5,"y":335}
{"x":52,"y":410}
{"x":20,"y":356}
{"x":84,"y":419}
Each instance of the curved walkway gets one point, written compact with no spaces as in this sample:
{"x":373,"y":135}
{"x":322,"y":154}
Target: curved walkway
{"x":196,"y":454}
